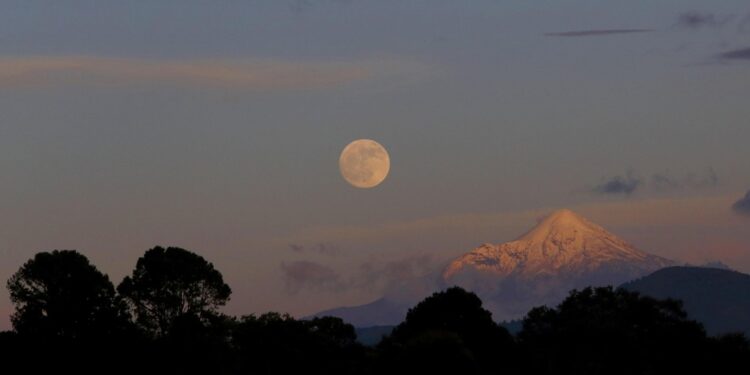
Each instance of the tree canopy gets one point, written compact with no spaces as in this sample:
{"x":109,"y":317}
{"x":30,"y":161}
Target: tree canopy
{"x":599,"y":330}
{"x":454,"y":324}
{"x":59,"y":294}
{"x":169,"y":283}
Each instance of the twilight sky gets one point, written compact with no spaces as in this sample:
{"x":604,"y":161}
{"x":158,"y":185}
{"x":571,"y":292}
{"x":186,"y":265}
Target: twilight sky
{"x":125,"y":125}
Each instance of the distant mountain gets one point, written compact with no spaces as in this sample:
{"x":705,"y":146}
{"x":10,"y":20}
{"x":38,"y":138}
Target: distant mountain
{"x":564,"y":251}
{"x":381,"y":312}
{"x":718,"y":298}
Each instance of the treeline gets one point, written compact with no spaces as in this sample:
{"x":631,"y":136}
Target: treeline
{"x":164,"y":319}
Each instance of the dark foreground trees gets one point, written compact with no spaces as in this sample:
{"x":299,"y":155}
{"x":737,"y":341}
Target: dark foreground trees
{"x":61,"y":296}
{"x":69,"y":319}
{"x":279,"y":344}
{"x":449,"y":331}
{"x":169,"y":284}
{"x":614,"y":331}
{"x":67,"y":315}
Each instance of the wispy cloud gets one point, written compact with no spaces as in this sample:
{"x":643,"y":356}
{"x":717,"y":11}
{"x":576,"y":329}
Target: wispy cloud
{"x":301,"y":275}
{"x":383,"y":275}
{"x":626,"y":184}
{"x":372,"y":275}
{"x":698,"y":20}
{"x":598,"y":32}
{"x":248,"y":74}
{"x":665,"y":181}
{"x":662,"y":182}
{"x":742,"y":206}
{"x":737,"y":54}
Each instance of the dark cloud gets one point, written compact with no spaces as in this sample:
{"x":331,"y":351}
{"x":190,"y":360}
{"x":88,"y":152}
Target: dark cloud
{"x":666,"y":182}
{"x":301,"y":275}
{"x":602,"y":32}
{"x":627,"y":185}
{"x":737,"y":54}
{"x":698,"y":20}
{"x":742,"y":206}
{"x":320,"y":248}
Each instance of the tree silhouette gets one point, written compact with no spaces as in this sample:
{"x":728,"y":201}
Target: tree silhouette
{"x":170,"y":283}
{"x":60,"y":295}
{"x":449,"y":329}
{"x":273,"y":343}
{"x":603,"y":330}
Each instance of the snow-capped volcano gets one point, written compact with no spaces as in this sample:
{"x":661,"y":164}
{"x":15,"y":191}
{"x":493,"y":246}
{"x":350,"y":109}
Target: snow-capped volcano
{"x":564,"y":251}
{"x":563,"y":241}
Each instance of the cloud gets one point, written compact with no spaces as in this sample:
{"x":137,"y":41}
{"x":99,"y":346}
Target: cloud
{"x":742,"y":206}
{"x":627,"y":185}
{"x":697,"y":20}
{"x":369,"y":276}
{"x":383,"y":275}
{"x":246,"y":74}
{"x":737,"y":54}
{"x":320,"y":248}
{"x":665,"y":182}
{"x":302,"y":275}
{"x":600,"y":32}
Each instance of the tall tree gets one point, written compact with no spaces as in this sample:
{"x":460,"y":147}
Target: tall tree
{"x":170,"y":283}
{"x":449,"y":330}
{"x":59,"y":294}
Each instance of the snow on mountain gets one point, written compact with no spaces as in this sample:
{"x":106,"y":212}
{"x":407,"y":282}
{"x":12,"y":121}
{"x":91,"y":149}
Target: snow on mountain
{"x":564,"y":251}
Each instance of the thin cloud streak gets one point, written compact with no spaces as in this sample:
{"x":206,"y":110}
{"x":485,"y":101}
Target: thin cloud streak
{"x":601,"y":32}
{"x":247,"y":74}
{"x":737,"y":54}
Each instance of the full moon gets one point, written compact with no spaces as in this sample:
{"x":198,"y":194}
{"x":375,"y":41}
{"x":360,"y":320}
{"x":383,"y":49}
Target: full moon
{"x":364,"y":163}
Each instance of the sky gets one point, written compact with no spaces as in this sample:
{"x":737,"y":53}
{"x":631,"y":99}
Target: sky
{"x":217,"y":127}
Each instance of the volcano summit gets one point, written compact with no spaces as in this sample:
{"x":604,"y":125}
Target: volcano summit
{"x":564,"y":251}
